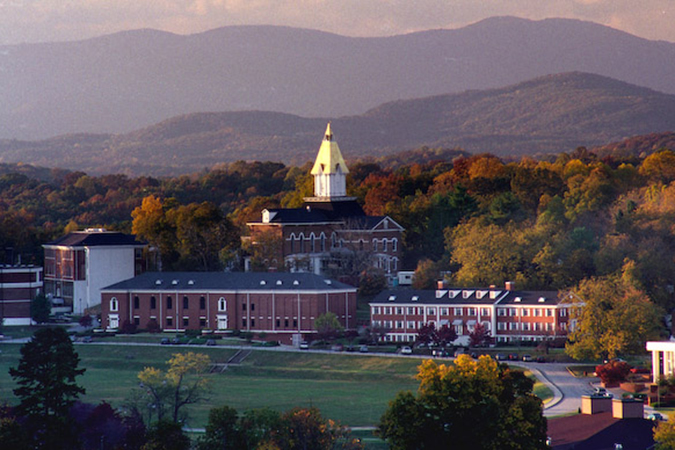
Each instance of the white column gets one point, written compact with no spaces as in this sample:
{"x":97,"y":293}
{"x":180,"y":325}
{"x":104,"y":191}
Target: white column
{"x":656,"y":367}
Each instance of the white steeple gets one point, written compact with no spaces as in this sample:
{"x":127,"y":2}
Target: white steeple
{"x":330,"y":171}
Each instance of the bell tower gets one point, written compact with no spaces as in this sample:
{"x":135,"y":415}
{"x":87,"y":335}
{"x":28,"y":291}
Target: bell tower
{"x":329,"y":170}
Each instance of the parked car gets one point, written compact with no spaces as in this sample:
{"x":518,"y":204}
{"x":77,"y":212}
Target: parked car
{"x":513,"y":357}
{"x":656,"y":416}
{"x":602,"y":392}
{"x":406,"y":350}
{"x":541,"y":359}
{"x":304,"y":345}
{"x":501,"y":357}
{"x":165,"y":341}
{"x":87,"y":339}
{"x":337,"y":348}
{"x":210,"y":342}
{"x":363,"y":349}
{"x":527,"y":358}
{"x":640,"y":370}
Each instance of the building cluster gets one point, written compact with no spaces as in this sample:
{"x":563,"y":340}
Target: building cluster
{"x":316,"y":242}
{"x":506,"y":314}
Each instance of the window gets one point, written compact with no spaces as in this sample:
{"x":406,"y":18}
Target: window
{"x":536,"y":312}
{"x":526,"y":326}
{"x":431,"y":311}
{"x":222,"y":304}
{"x":243,"y":322}
{"x":374,"y":245}
{"x":286,"y":323}
{"x":384,"y":245}
{"x":563,"y":326}
{"x":137,"y":320}
{"x":252,"y":322}
{"x":394,"y":244}
{"x":153,"y":302}
{"x":501,"y":326}
{"x":202,"y":303}
{"x":501,"y":311}
{"x":186,"y":303}
{"x":411,"y":325}
{"x":169,"y":322}
{"x":202,"y":322}
{"x":513,"y":326}
{"x":411,"y":310}
{"x":252,"y":306}
{"x":444,"y":311}
{"x":563,"y":312}
{"x":169,"y":303}
{"x":399,"y":310}
{"x":295,"y":323}
{"x":471,"y":311}
{"x":484,"y":311}
{"x":525,"y":312}
{"x":549,"y":313}
{"x":186,"y":322}
{"x":513,"y":312}
{"x":243,"y":306}
{"x":114,"y":304}
{"x":458,"y":312}
{"x":278,"y":323}
{"x":137,"y":302}
{"x":323,"y":242}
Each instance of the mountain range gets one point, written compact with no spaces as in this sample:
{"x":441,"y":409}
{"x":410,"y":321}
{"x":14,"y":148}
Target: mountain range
{"x":549,"y":114}
{"x":125,"y":81}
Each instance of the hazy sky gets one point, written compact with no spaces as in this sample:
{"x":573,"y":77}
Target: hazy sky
{"x":58,"y":20}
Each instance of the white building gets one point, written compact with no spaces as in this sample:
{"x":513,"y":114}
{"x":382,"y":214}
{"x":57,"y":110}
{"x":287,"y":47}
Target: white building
{"x":80,"y":264}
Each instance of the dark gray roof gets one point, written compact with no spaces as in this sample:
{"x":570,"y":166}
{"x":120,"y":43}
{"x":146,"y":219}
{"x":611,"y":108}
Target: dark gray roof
{"x":96,"y":239}
{"x":459,"y":296}
{"x":229,"y":281}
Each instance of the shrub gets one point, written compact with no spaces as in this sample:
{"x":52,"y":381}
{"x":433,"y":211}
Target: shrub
{"x":153,"y":326}
{"x":128,"y":327}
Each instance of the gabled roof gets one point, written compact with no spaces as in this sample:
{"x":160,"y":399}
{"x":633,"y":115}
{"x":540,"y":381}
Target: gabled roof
{"x":460,"y":296}
{"x":229,"y":281}
{"x":329,"y":160}
{"x":96,"y":239}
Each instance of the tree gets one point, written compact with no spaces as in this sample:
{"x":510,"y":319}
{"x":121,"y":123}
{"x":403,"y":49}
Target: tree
{"x":47,"y":389}
{"x":40,"y":309}
{"x":612,"y":317}
{"x":664,"y":434}
{"x":445,"y":335}
{"x":307,"y":429}
{"x":222,"y":430}
{"x":471,"y":404}
{"x":613,"y":372}
{"x":327,"y":326}
{"x":166,"y":435}
{"x":182,"y":384}
{"x":479,"y":336}
{"x":426,"y":334}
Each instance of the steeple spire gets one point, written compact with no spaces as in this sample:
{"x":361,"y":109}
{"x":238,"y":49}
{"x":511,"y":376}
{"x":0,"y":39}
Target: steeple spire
{"x":329,"y":169}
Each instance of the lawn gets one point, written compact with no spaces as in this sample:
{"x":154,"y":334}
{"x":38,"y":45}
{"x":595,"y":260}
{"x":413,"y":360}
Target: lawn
{"x":352,"y":389}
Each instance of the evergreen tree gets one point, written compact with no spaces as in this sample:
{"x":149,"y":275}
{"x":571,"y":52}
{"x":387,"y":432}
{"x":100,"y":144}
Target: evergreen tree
{"x":47,"y":389}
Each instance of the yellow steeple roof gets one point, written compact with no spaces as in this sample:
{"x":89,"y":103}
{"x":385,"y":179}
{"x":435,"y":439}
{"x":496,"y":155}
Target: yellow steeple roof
{"x":329,"y":158}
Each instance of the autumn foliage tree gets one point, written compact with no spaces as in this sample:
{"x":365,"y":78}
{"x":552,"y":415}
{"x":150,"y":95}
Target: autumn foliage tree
{"x":469,"y":404}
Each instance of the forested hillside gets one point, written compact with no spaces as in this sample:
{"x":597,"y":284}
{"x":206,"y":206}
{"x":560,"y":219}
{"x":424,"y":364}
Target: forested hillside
{"x":544,"y":225}
{"x":551,"y":114}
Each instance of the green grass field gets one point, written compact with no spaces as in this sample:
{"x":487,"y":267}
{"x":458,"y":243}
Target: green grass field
{"x":352,"y":389}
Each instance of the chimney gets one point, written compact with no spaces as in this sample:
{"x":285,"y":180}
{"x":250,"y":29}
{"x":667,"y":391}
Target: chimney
{"x":510,"y":285}
{"x":440,"y":284}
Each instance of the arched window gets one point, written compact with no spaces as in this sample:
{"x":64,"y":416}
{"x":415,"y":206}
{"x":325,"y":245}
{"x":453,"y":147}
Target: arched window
{"x":374,"y":245}
{"x":114,"y":304}
{"x":384,"y":245}
{"x":222,"y":304}
{"x":312,"y":243}
{"x":302,"y":243}
{"x":394,"y":244}
{"x":323,"y":242}
{"x":292,"y":238}
{"x":394,"y":264}
{"x":333,"y":240}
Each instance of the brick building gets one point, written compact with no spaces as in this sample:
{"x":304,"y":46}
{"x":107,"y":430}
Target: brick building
{"x":330,"y":230}
{"x":507,"y":314}
{"x":79,"y":264}
{"x":19,"y":285}
{"x":281,"y":305}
